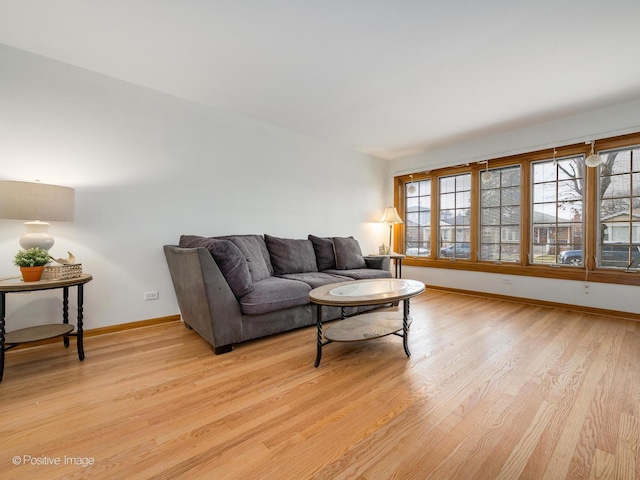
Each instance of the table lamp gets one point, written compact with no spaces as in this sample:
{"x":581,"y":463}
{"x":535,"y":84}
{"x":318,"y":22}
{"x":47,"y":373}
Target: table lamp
{"x":35,"y":200}
{"x":391,"y":217}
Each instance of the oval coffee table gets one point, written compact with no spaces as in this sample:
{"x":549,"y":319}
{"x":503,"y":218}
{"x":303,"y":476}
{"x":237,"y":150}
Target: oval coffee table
{"x":365,"y":326}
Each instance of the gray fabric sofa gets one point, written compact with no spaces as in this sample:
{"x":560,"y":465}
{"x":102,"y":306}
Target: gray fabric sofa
{"x":236,"y":288}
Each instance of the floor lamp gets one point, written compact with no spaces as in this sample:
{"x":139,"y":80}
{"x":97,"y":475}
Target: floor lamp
{"x":391,"y":217}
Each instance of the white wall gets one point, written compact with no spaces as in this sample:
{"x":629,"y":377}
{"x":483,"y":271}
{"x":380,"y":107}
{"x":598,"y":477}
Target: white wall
{"x":606,"y":122}
{"x":148,"y":167}
{"x":602,"y":123}
{"x":622,"y":298}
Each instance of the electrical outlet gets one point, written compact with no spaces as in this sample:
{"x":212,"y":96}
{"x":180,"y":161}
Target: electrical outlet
{"x":151,"y":295}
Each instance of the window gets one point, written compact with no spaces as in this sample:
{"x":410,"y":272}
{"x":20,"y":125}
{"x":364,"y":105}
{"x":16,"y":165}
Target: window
{"x":417,"y":218}
{"x":557,"y":211}
{"x":454,"y":227}
{"x":619,"y":209}
{"x":500,"y":215}
{"x":536,"y":210}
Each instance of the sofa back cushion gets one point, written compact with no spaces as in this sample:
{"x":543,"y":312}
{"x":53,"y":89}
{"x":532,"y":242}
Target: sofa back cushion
{"x":325,"y":255}
{"x":255,"y":252}
{"x":229,"y":258}
{"x":291,"y":255}
{"x":348,"y":253}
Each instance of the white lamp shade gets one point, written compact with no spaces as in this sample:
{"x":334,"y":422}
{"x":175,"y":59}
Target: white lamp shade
{"x":390,"y":215}
{"x":36,"y":201}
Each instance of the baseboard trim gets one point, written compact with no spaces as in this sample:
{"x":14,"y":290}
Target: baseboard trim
{"x":543,"y":303}
{"x":106,"y":330}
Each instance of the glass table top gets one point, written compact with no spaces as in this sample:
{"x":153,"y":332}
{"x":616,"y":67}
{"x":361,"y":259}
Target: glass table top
{"x":362,"y":289}
{"x":366,"y":292}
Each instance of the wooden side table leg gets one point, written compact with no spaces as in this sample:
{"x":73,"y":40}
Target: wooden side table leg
{"x":80,"y":334}
{"x":65,"y":312}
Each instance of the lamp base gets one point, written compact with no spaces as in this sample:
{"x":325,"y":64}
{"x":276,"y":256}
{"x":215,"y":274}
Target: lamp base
{"x":390,"y":237}
{"x":37,"y":236}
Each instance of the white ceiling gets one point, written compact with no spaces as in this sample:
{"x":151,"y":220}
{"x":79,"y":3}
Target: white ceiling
{"x":382,"y":77}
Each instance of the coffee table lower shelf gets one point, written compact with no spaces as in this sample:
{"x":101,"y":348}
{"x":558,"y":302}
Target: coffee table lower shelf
{"x":366,"y":326}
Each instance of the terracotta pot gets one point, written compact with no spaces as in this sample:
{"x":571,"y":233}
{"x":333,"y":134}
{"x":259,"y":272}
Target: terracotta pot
{"x":31,"y":274}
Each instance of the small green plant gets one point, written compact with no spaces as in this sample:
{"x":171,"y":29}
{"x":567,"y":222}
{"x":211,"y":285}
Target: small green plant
{"x":34,"y":257}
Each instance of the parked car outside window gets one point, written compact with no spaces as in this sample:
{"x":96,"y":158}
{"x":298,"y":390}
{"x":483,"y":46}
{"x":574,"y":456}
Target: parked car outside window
{"x":612,"y":255}
{"x":456,"y":250}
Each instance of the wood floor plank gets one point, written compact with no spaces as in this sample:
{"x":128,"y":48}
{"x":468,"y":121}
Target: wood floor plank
{"x":493,"y":389}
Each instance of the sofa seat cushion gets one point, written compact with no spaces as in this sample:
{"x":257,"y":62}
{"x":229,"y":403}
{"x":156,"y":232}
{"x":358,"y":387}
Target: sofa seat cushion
{"x":228,"y":257}
{"x":274,"y":293}
{"x":361,"y":273}
{"x":291,"y":255}
{"x":255,"y":251}
{"x":317,"y":279}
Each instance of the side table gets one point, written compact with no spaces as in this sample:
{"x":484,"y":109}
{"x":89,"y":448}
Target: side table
{"x":42,"y":332}
{"x":397,"y":260}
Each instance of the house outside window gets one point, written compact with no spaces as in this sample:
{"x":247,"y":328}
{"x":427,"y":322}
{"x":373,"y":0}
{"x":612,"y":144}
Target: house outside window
{"x":557,"y":210}
{"x":618,"y":245}
{"x":454,"y":215}
{"x":417,"y":218}
{"x":500,"y":215}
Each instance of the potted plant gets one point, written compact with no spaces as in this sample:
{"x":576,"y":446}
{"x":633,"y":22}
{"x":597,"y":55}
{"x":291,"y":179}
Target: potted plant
{"x":31,"y":263}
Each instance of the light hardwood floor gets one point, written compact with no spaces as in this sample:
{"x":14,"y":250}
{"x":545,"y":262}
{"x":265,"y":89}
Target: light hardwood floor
{"x":493,"y":390}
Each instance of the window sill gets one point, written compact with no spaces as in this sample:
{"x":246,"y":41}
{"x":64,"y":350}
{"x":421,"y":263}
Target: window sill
{"x":541,"y":271}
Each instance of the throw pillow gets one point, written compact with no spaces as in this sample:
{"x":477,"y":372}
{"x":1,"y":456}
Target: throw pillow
{"x":291,"y":255}
{"x":255,"y":251}
{"x":229,"y":258}
{"x":348,"y":253}
{"x":325,"y":255}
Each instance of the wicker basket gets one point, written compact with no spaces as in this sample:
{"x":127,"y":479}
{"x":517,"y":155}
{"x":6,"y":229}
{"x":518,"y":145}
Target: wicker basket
{"x":62,"y":272}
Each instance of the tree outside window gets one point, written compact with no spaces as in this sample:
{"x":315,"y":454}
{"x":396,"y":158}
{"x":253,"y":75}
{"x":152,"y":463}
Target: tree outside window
{"x":619,"y":209}
{"x":557,"y":210}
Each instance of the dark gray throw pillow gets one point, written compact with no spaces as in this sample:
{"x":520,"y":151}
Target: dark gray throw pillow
{"x":229,"y":258}
{"x":255,"y":252}
{"x":348,"y":253}
{"x":291,"y":255}
{"x":325,"y":255}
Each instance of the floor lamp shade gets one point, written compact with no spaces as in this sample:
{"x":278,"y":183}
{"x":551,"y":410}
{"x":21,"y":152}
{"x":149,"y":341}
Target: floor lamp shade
{"x":39,"y":203}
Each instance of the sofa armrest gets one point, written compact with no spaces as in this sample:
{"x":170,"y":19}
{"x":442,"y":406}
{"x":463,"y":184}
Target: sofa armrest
{"x":206,"y":301}
{"x":379,"y":263}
